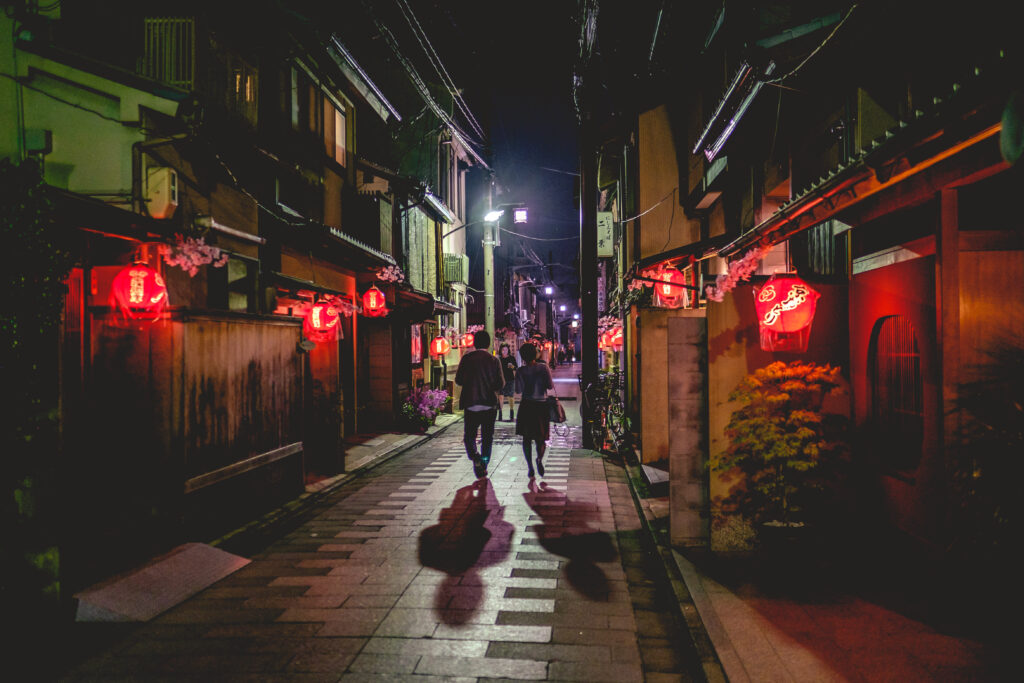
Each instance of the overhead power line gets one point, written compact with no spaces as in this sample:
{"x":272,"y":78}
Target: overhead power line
{"x":438,"y":65}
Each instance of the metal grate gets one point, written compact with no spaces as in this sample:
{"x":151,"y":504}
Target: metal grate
{"x":897,"y":392}
{"x":170,"y":51}
{"x":456,"y":268}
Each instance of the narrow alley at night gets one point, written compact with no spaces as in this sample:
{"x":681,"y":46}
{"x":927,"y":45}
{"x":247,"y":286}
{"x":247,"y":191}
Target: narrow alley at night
{"x":586,"y":340}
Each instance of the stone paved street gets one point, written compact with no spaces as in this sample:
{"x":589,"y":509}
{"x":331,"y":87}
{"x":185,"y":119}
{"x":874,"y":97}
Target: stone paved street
{"x":417,"y":571}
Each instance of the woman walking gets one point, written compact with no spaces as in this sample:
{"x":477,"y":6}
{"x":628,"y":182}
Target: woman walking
{"x":533,"y":382}
{"x":508,"y":369}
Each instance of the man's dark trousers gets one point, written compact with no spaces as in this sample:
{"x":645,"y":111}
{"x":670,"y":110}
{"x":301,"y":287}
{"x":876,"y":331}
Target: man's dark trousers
{"x":484,"y":421}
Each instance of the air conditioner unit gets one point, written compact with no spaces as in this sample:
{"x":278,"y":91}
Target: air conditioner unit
{"x":161,"y":192}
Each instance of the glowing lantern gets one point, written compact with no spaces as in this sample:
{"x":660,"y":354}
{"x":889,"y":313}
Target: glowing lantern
{"x":374,"y":303}
{"x":466,"y":341}
{"x":439,"y":346}
{"x":670,"y":291}
{"x":139,"y":292}
{"x":615,"y":337}
{"x":322,"y":322}
{"x":785,"y":310}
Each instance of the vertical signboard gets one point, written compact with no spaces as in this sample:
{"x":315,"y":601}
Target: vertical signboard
{"x":605,"y":245}
{"x":600,"y":287}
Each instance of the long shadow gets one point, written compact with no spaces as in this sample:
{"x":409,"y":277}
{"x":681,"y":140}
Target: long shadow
{"x":565,"y":531}
{"x":471,"y":534}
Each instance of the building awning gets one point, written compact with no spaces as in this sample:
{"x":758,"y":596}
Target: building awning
{"x":696,"y":250}
{"x":93,"y":215}
{"x":442,"y":306}
{"x":295,"y":285}
{"x":375,"y":254}
{"x":415,"y":304}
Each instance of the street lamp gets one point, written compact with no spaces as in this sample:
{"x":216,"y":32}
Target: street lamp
{"x":548,"y":290}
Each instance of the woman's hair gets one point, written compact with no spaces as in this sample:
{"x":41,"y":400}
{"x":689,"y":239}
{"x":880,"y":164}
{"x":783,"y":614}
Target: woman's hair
{"x":504,"y":347}
{"x":528,"y":352}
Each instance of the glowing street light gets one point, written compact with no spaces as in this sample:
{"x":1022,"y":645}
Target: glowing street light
{"x":493,"y":215}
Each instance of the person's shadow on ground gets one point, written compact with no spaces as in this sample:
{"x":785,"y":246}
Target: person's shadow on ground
{"x":471,"y":533}
{"x":566,"y":531}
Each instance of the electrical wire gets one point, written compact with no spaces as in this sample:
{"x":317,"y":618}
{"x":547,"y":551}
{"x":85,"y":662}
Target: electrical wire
{"x":435,"y":59}
{"x":541,"y":239}
{"x":652,"y":208}
{"x":815,"y":50}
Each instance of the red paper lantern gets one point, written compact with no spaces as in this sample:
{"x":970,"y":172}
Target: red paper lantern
{"x":374,"y":303}
{"x":785,"y":310}
{"x":439,"y":346}
{"x":467,"y":340}
{"x":322,"y":322}
{"x":139,"y":292}
{"x":615,"y":337}
{"x":670,"y":290}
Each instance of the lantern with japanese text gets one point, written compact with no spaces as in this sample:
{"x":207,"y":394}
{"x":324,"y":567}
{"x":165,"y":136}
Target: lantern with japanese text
{"x":466,"y":340}
{"x":321,"y":323}
{"x":139,"y":292}
{"x":439,"y":346}
{"x":670,"y":292}
{"x":785,"y":308}
{"x":374,"y":303}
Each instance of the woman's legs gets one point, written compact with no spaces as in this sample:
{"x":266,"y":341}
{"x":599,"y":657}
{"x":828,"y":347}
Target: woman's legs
{"x":500,"y":409}
{"x":541,"y":445}
{"x":527,"y":448}
{"x":512,"y":407}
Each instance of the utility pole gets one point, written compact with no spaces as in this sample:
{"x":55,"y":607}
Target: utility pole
{"x":489,"y":227}
{"x":588,"y":265}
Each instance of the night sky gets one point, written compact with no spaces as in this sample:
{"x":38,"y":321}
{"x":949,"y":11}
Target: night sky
{"x":515,"y":62}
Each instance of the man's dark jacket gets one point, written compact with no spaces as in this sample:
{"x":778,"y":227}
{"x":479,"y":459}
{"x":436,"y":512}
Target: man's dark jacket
{"x":480,"y":377}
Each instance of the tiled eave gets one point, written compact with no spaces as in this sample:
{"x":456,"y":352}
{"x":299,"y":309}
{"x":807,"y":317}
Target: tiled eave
{"x":963,"y":121}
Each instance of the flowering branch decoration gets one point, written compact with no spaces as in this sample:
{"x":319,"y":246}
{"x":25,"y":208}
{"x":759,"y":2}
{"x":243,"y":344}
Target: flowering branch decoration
{"x":391,"y":274}
{"x":188,"y":253}
{"x":474,"y":328}
{"x":607,"y":322}
{"x":343,"y":306}
{"x":739,"y":270}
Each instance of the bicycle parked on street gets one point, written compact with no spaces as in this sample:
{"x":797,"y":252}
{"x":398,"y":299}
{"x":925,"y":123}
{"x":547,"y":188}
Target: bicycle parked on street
{"x":609,"y":427}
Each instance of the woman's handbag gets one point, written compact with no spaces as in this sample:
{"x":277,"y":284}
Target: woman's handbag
{"x":555,"y":410}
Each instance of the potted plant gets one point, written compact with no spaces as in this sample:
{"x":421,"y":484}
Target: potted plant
{"x":785,"y":453}
{"x":421,"y":406}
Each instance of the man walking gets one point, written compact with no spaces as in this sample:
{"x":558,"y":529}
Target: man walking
{"x":480,"y":377}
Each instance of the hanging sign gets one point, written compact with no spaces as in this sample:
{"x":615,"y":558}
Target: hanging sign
{"x":669,"y":292}
{"x":139,"y":292}
{"x":322,"y":322}
{"x":374,"y":303}
{"x":605,"y":235}
{"x":785,"y":308}
{"x":439,"y":346}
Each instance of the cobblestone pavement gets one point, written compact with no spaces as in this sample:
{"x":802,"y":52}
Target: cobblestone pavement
{"x":418,"y":571}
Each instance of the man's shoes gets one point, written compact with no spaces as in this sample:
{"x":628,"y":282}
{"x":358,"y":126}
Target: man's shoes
{"x":479,"y":469}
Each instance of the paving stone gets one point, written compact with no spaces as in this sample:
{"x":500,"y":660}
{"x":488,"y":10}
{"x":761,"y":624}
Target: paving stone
{"x":483,"y":667}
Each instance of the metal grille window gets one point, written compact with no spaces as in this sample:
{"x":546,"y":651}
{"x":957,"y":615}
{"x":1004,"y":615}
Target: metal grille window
{"x":896,"y":392}
{"x":170,"y":51}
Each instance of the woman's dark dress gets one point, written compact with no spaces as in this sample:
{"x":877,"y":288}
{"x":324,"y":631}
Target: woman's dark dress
{"x":533,"y":420}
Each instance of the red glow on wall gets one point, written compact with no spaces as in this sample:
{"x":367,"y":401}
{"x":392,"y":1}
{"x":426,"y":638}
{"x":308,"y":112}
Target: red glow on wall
{"x":466,"y":340}
{"x":139,"y":292}
{"x":439,"y":346}
{"x":322,"y":322}
{"x":374,"y":303}
{"x":615,"y":337}
{"x":785,"y":308}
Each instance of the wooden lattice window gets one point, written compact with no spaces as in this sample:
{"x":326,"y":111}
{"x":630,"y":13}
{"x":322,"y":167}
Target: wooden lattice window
{"x":897,"y":393}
